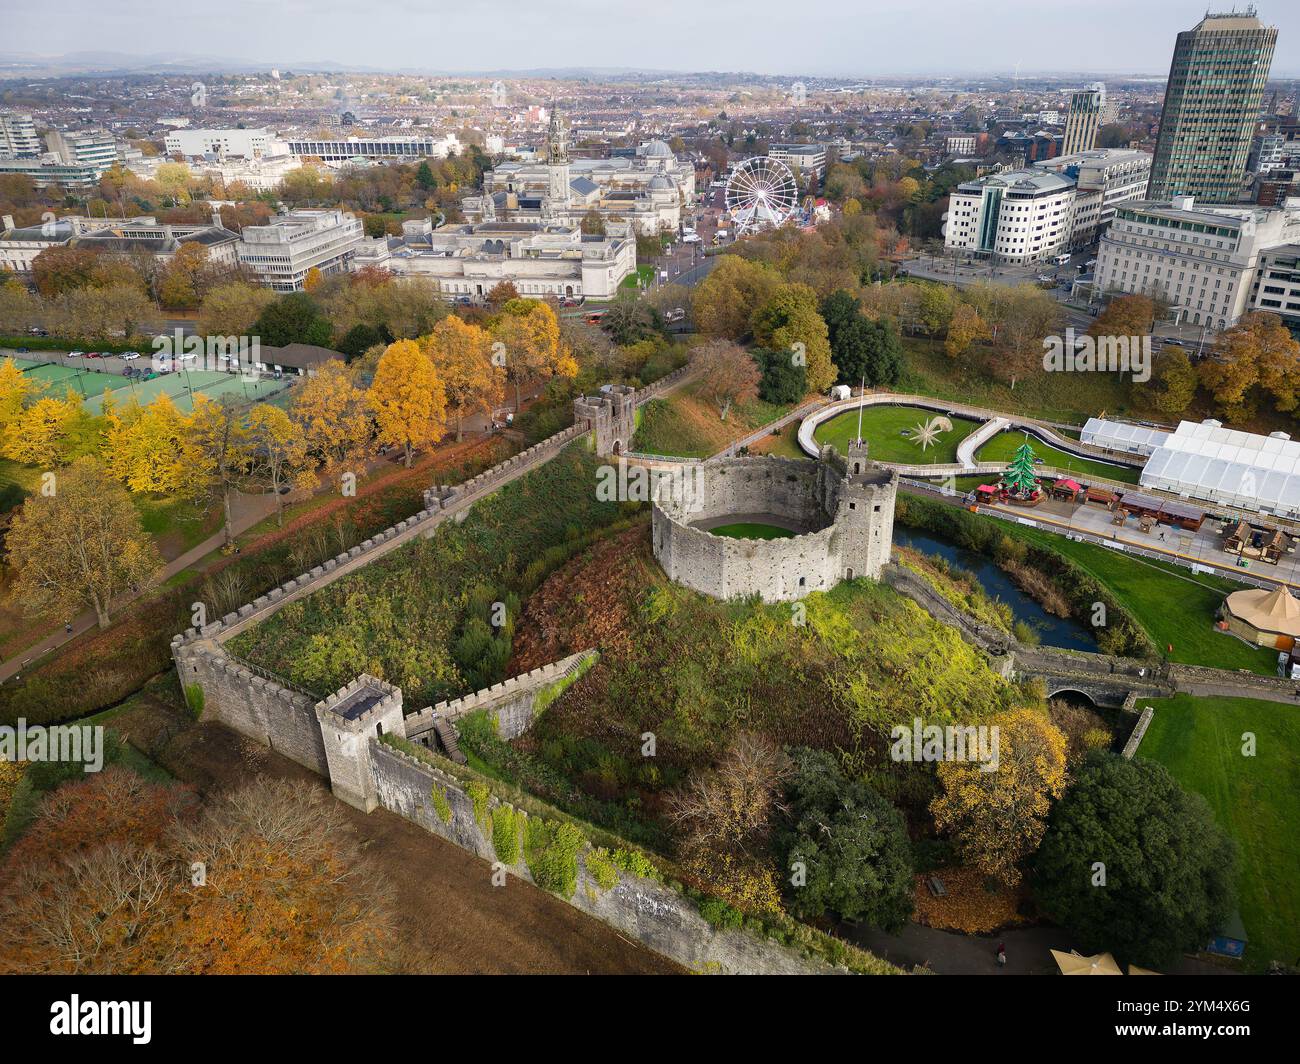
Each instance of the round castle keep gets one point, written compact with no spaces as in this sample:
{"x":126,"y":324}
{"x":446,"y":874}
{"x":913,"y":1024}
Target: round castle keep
{"x":842,"y":510}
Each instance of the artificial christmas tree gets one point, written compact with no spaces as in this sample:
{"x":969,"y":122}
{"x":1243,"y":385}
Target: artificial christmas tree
{"x":1019,"y":479}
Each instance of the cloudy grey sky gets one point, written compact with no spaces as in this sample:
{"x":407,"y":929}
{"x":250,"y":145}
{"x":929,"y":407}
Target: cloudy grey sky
{"x":835,"y":37}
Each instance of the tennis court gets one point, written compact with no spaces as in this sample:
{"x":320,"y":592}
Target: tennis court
{"x":180,"y":387}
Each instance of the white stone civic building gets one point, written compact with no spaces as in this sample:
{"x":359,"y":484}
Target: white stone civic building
{"x":1202,"y":261}
{"x":538,"y":258}
{"x":647,"y":190}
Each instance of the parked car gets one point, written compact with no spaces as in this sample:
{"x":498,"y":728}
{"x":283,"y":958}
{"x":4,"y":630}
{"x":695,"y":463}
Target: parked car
{"x":130,"y":355}
{"x":76,"y":354}
{"x":94,"y":354}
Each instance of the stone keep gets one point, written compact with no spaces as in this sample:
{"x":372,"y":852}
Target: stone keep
{"x":611,"y":416}
{"x":843,"y":507}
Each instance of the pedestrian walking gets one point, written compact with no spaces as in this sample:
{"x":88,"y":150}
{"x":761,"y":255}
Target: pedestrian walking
{"x":1002,"y":955}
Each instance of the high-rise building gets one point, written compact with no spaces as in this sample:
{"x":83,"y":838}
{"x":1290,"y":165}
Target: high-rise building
{"x":1083,"y":118}
{"x":1216,"y":84}
{"x":18,"y":137}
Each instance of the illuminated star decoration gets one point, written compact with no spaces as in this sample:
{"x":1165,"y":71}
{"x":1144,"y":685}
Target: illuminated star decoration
{"x":928,"y":433}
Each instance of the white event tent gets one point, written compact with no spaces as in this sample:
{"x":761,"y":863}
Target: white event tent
{"x":1226,"y":466}
{"x":1122,"y":436}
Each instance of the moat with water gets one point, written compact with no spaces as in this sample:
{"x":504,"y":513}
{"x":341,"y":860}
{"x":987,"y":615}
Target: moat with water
{"x":1064,"y":632}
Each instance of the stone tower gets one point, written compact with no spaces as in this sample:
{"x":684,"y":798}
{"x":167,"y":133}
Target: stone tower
{"x":864,"y":514}
{"x":557,"y":163}
{"x":363,"y":710}
{"x":611,"y":416}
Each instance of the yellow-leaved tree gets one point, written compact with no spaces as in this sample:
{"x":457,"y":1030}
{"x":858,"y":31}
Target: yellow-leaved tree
{"x":15,"y":390}
{"x":79,"y":546}
{"x":42,"y":433}
{"x":461,"y":352}
{"x":221,"y":453}
{"x":146,"y":447}
{"x":332,"y":417}
{"x":278,"y":460}
{"x":529,"y":334}
{"x":997,"y":816}
{"x":408,"y":399}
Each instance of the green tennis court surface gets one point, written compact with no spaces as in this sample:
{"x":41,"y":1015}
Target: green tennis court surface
{"x":180,"y":387}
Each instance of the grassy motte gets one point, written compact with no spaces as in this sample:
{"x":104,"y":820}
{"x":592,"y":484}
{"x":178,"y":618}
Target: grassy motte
{"x":683,"y":425}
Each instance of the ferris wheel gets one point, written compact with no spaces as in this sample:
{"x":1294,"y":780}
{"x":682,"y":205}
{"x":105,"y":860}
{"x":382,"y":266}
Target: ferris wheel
{"x":761,"y":194}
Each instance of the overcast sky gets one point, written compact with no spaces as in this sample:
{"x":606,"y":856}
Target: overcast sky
{"x":852,"y":38}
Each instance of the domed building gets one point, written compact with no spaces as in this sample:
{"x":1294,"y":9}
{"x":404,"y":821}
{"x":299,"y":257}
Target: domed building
{"x":646,"y":190}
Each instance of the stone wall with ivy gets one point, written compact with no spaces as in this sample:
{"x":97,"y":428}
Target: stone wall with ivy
{"x":613,"y":883}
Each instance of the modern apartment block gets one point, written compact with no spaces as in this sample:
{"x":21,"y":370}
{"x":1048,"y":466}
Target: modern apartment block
{"x":1083,"y":119}
{"x":1277,"y":283}
{"x":1019,"y":216}
{"x":282,"y":252}
{"x":45,"y":174}
{"x":18,"y":136}
{"x":1216,"y":84}
{"x":808,"y":158}
{"x":1201,"y":260}
{"x":960,"y":144}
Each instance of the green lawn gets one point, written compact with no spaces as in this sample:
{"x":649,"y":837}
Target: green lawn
{"x":1174,"y":605}
{"x":1004,"y":444}
{"x":751,"y":530}
{"x":1256,"y":799}
{"x":883,"y":427}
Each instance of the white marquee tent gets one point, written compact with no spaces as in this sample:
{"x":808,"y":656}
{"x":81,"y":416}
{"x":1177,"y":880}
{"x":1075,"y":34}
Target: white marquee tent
{"x":1242,"y":469}
{"x":1122,"y":436}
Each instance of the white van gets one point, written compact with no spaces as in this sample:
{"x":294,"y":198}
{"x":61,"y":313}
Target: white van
{"x":1062,"y":260}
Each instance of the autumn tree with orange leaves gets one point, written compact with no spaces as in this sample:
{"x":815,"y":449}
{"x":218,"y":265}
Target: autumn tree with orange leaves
{"x":529,"y":335}
{"x":408,"y":399}
{"x":120,"y":875}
